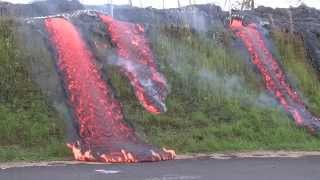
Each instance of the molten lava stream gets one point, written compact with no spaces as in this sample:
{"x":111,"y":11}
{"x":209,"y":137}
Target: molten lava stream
{"x":273,"y":66}
{"x":137,"y":63}
{"x":273,"y":76}
{"x":103,"y":134}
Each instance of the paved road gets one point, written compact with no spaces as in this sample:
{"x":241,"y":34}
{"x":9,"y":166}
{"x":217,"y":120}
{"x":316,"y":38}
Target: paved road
{"x":307,"y":168}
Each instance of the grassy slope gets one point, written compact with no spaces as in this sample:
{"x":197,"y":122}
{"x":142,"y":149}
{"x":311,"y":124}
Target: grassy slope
{"x":212,"y":111}
{"x":28,"y":127}
{"x":299,"y":68}
{"x":212,"y":106}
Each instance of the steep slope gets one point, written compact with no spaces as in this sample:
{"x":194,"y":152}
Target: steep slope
{"x":273,"y":75}
{"x":304,"y":23}
{"x":103,"y":135}
{"x":30,"y":128}
{"x":217,"y":98}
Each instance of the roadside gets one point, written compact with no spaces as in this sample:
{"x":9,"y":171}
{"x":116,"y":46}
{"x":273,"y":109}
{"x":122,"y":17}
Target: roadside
{"x":216,"y":156}
{"x":185,"y":169}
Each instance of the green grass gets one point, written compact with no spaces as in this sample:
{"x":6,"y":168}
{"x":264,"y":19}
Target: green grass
{"x":299,"y":68}
{"x":29,"y":128}
{"x":217,"y":101}
{"x":51,"y":151}
{"x":214,"y":111}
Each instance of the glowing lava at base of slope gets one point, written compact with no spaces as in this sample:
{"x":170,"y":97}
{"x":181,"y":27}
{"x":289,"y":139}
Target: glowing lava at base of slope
{"x":273,"y":76}
{"x":103,"y":134}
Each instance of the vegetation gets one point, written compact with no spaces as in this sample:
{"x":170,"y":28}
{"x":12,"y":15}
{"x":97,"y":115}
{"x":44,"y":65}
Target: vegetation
{"x":217,"y":100}
{"x":215,"y":103}
{"x":299,"y":68}
{"x":29,"y":129}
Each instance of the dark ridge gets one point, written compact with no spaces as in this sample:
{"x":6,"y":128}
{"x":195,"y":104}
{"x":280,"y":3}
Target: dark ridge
{"x":305,"y":22}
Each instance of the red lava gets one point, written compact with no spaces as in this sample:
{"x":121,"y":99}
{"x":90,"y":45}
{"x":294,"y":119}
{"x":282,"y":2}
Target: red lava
{"x":137,"y":63}
{"x":274,"y":78}
{"x":104,"y":136}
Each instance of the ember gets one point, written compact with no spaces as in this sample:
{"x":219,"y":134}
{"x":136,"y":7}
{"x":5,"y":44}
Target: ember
{"x":104,"y":136}
{"x":274,"y":78}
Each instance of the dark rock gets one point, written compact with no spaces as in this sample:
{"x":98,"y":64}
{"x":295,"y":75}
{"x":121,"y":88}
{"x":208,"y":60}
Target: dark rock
{"x":305,"y":22}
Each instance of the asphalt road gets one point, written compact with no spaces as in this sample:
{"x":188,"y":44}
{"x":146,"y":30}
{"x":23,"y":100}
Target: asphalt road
{"x":307,"y":168}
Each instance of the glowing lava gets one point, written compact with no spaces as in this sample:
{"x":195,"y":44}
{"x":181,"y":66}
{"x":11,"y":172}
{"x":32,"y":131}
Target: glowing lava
{"x":137,"y":63}
{"x":274,"y":78}
{"x":103,"y":134}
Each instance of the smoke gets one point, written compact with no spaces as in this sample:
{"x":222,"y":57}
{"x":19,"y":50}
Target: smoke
{"x":219,"y":83}
{"x":194,"y":18}
{"x":142,"y":75}
{"x":265,"y":100}
{"x":41,"y":66}
{"x":234,"y":86}
{"x":231,"y":84}
{"x":275,"y":80}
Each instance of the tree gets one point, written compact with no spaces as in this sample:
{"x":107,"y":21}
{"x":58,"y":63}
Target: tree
{"x":179,"y":5}
{"x":130,"y":2}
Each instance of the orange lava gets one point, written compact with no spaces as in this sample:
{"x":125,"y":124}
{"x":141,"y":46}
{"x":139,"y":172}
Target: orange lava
{"x":274,"y":78}
{"x":103,"y":134}
{"x":137,"y":63}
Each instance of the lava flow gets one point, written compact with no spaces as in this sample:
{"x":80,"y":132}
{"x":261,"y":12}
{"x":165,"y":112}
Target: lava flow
{"x":103,"y":134}
{"x":274,"y":78}
{"x":137,"y":63}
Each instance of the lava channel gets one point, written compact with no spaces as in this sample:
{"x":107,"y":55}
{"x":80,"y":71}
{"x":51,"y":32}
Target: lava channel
{"x":273,"y":76}
{"x":137,"y":63}
{"x":103,"y":134}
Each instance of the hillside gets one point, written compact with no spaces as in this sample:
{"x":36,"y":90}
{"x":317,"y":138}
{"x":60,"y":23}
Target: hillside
{"x":217,"y":98}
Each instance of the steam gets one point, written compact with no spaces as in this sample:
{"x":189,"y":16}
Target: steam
{"x":41,"y":67}
{"x":103,"y":134}
{"x":194,"y":18}
{"x":141,"y":72}
{"x":274,"y":78}
{"x":231,"y":84}
{"x":136,"y":61}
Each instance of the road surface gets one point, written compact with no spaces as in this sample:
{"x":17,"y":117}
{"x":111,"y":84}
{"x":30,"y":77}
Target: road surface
{"x":305,"y":168}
